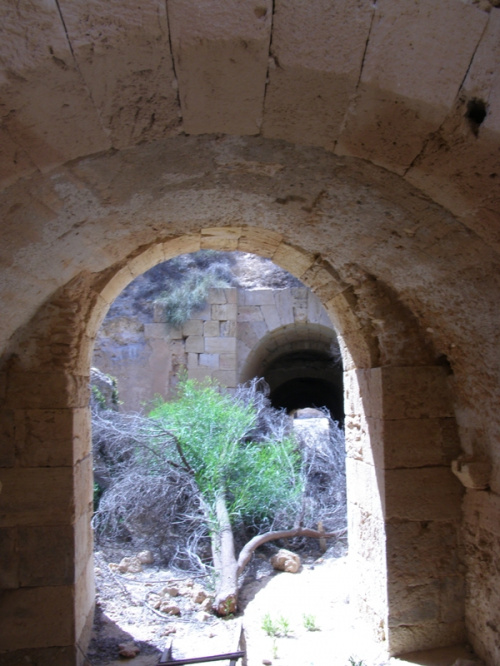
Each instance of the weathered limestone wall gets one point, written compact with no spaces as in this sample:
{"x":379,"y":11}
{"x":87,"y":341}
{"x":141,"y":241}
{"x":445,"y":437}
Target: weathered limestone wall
{"x":46,"y":542}
{"x":216,"y":342}
{"x":401,"y":439}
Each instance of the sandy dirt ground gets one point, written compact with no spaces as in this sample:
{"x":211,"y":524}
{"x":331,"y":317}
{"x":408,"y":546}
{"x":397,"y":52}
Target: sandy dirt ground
{"x":307,"y":615}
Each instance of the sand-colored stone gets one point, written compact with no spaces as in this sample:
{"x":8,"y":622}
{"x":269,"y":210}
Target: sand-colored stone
{"x":220,"y":345}
{"x":23,"y":623}
{"x":204,"y":37}
{"x":337,"y":136}
{"x":22,"y":490}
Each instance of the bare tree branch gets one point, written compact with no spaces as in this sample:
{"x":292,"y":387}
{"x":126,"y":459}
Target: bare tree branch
{"x":259,"y":540}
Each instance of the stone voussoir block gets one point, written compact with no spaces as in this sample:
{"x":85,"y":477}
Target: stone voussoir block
{"x":249,"y":313}
{"x":259,"y":241}
{"x":293,"y":260}
{"x":256,"y":297}
{"x":271,"y":316}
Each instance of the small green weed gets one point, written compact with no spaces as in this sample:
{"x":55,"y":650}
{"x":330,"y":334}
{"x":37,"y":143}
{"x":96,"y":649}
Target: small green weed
{"x":284,"y":626}
{"x":280,"y":627}
{"x":269,"y":626}
{"x":310,"y":623}
{"x":354,"y":662}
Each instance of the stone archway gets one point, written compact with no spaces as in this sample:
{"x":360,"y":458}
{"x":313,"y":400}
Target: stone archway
{"x":402,"y":497}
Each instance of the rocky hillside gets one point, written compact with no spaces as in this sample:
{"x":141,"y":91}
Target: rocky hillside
{"x":221,"y":268}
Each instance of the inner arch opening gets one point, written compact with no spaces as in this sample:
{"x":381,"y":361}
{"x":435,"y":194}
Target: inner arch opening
{"x":302,"y":365}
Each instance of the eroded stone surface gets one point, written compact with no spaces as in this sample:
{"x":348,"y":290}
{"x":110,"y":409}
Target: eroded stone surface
{"x":405,"y":258}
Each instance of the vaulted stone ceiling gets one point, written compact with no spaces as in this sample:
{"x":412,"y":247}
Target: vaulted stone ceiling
{"x":369,"y":136}
{"x":402,"y":85}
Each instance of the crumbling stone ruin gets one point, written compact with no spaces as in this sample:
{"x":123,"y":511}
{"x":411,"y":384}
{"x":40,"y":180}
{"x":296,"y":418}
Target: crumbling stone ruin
{"x":356,"y":144}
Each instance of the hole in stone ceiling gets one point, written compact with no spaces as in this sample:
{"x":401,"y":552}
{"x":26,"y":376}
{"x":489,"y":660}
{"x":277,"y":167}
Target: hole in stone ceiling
{"x":476,"y":113}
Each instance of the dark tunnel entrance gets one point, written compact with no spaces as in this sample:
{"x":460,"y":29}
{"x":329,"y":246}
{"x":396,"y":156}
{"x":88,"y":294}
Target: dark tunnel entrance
{"x":306,"y":379}
{"x":301,"y":364}
{"x":307,"y":392}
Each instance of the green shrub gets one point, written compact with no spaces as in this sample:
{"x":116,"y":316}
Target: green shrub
{"x":195,"y":276}
{"x":215,"y":432}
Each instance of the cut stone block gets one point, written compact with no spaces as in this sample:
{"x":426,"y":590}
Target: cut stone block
{"x":195,"y":343}
{"x":22,"y":490}
{"x":211,"y":329}
{"x":220,"y":345}
{"x":192,"y":327}
{"x":423,"y":494}
{"x":24,"y":625}
{"x":209,"y":361}
{"x":224,"y":312}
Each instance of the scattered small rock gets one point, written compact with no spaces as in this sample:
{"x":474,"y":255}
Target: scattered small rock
{"x":202,"y":616}
{"x":207,"y":604}
{"x":171,"y":590}
{"x":169,"y":609}
{"x":199,"y":595}
{"x":285,"y":560}
{"x":130,"y":565}
{"x":146,"y":557}
{"x":155,"y":600}
{"x":128,"y":650}
{"x":267,"y":662}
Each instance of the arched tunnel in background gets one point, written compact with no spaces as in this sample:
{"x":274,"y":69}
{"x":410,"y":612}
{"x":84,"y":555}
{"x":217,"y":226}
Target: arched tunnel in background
{"x":302,"y":365}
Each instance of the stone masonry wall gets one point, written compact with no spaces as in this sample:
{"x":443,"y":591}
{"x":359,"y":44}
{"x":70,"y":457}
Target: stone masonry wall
{"x":215,"y":342}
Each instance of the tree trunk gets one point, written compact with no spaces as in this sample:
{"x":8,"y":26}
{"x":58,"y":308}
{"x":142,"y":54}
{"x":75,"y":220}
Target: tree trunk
{"x":225,"y":563}
{"x":228,"y":568}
